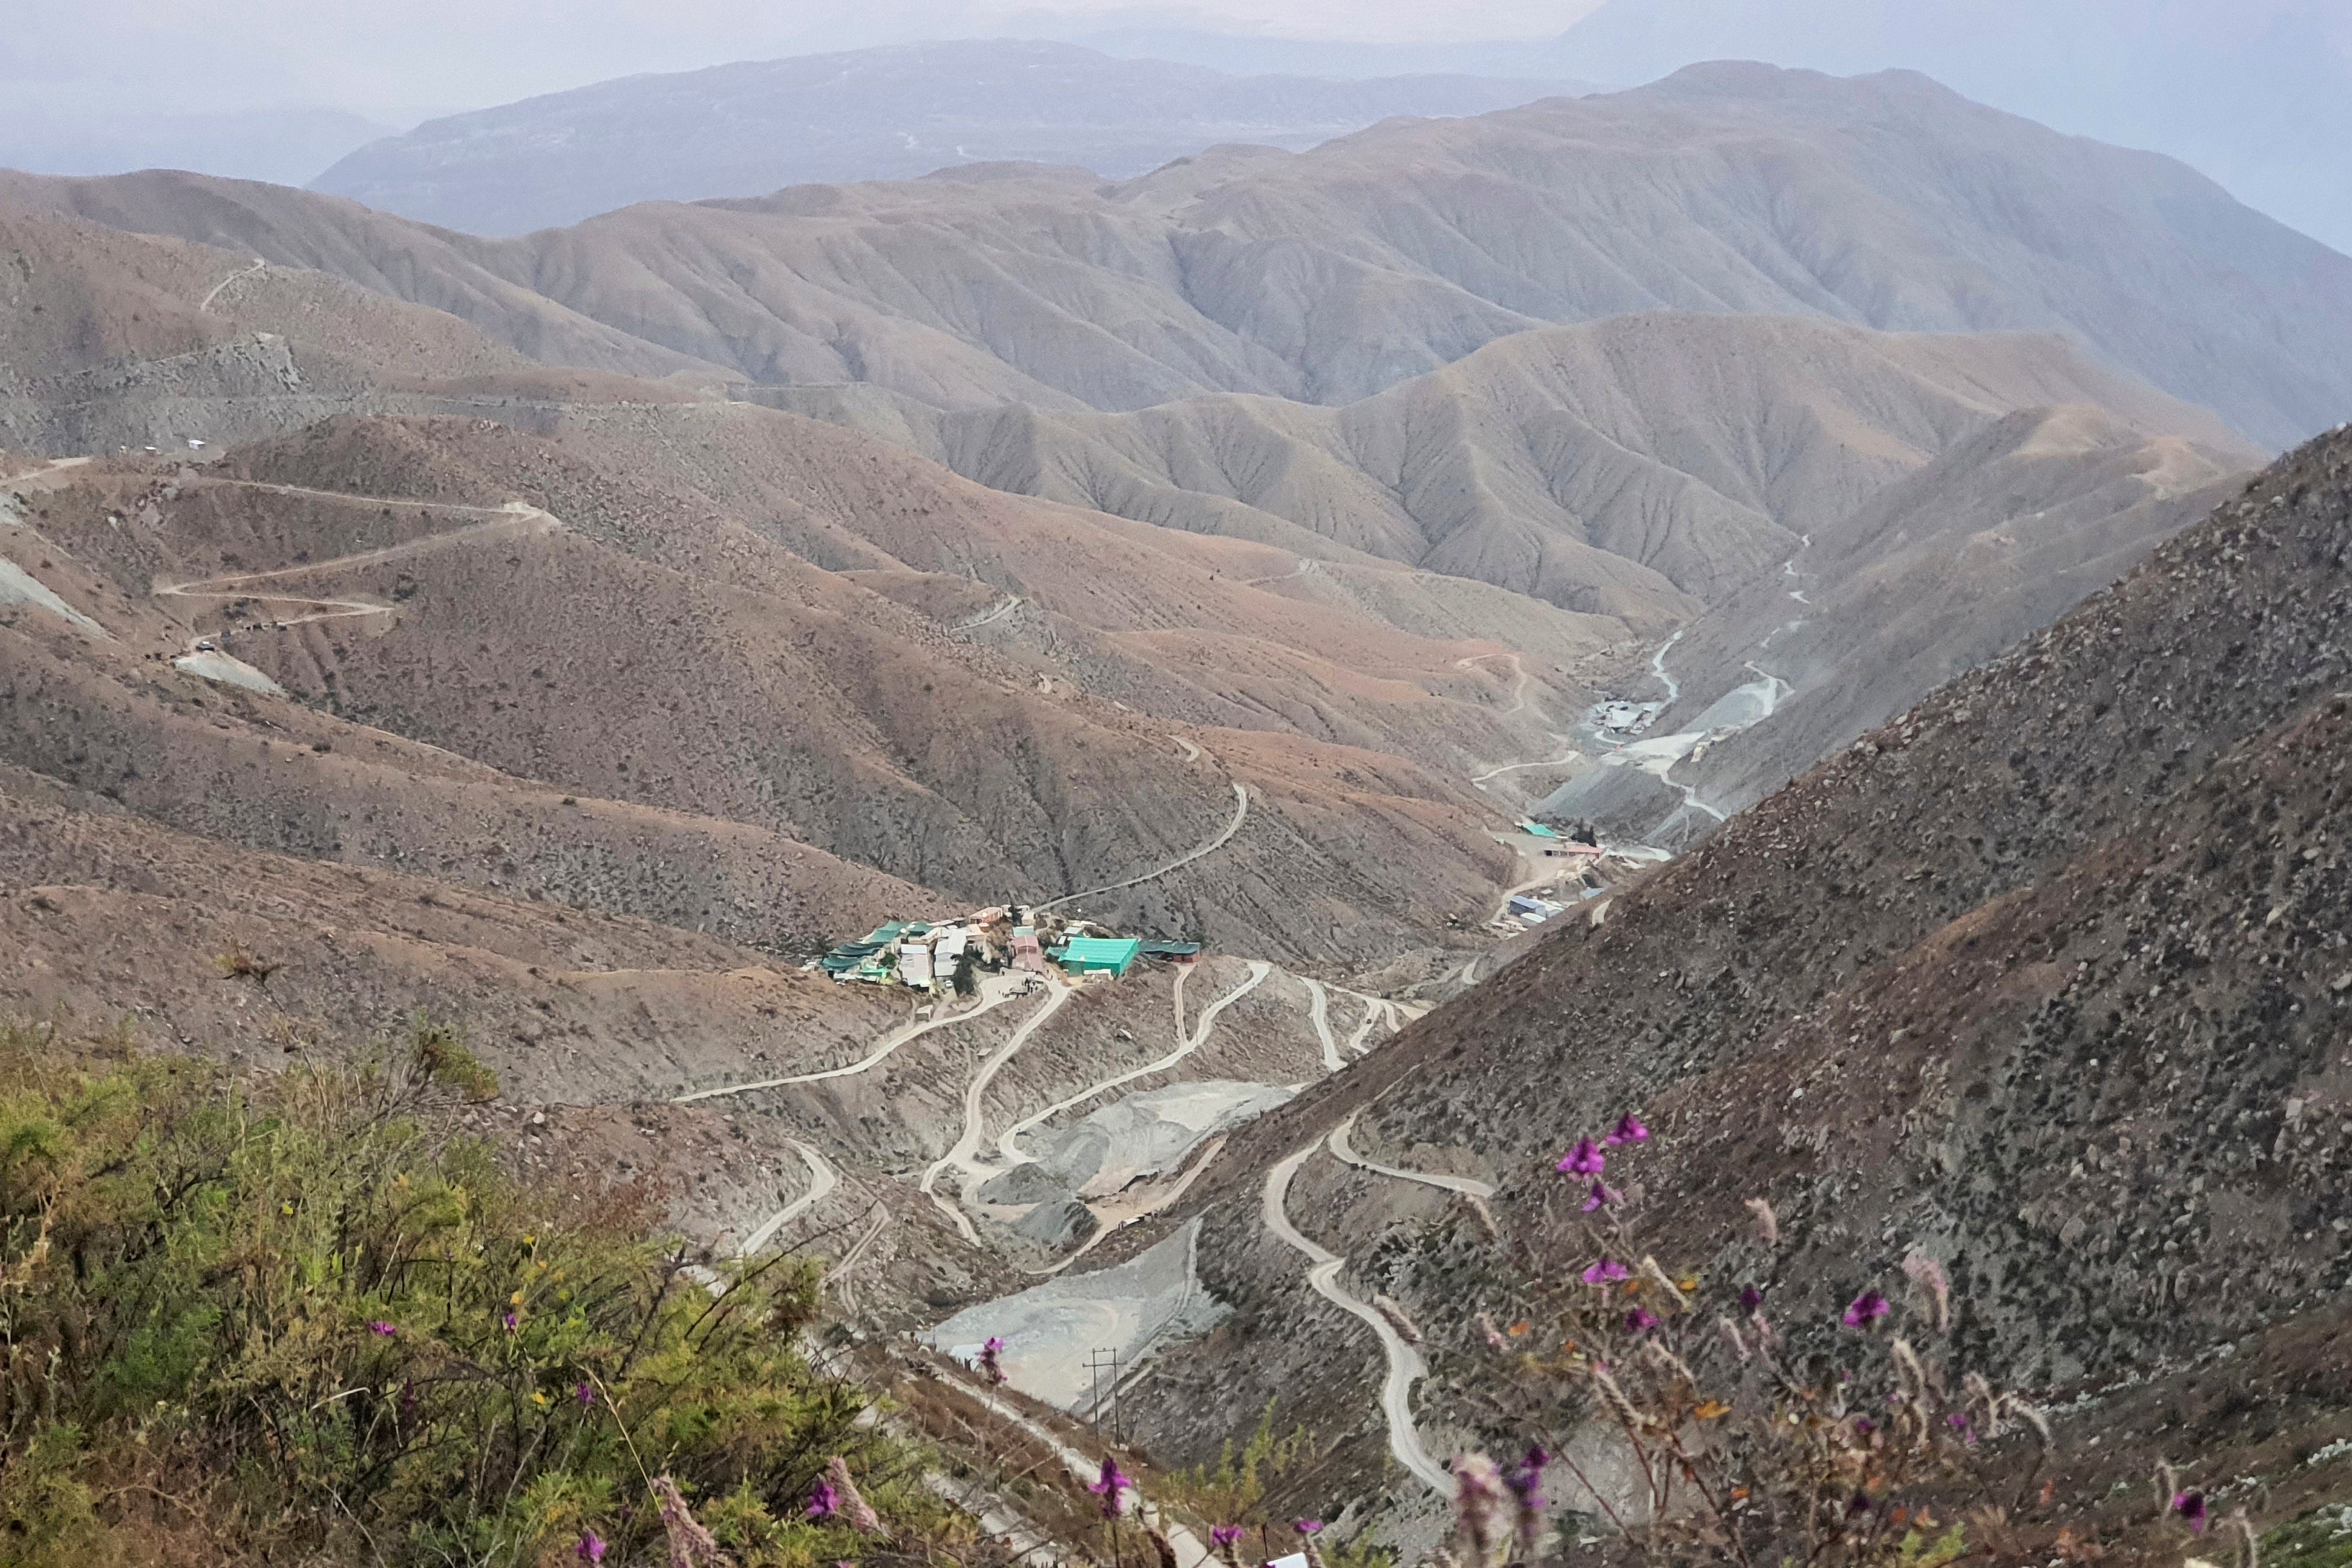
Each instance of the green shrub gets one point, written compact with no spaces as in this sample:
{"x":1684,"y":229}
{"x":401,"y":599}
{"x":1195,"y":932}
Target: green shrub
{"x":304,"y":1315}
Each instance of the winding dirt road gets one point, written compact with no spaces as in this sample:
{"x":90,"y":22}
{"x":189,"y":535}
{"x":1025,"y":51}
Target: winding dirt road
{"x":1405,"y":1364}
{"x":1007,"y":987}
{"x":1345,"y":1153}
{"x":975,"y":1115}
{"x":214,"y":293}
{"x":1240,"y":814}
{"x":1519,"y":684}
{"x":1009,"y":1143}
{"x":1319,"y":1013}
{"x":822,"y":1179}
{"x":512,"y":519}
{"x":991,"y":617}
{"x":1190,"y":1551}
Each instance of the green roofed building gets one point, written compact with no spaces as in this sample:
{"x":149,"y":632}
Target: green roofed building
{"x":1100,"y":954}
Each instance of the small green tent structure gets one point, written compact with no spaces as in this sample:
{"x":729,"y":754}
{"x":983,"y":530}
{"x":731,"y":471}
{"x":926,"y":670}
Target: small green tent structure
{"x":1100,"y":954}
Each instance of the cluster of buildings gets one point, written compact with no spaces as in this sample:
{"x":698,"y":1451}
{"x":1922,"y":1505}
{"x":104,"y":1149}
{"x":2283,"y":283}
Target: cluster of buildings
{"x":951,"y":955}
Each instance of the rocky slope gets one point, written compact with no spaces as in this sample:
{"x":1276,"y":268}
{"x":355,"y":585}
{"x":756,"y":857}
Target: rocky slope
{"x":2047,"y":978}
{"x":891,"y":113}
{"x":1947,"y":566}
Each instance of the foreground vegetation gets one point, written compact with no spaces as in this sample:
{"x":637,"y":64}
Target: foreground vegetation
{"x":303,"y":1318}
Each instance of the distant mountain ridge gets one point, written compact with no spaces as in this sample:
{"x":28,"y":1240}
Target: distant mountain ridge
{"x":2258,"y":98}
{"x":1328,"y":275}
{"x":893,"y":114}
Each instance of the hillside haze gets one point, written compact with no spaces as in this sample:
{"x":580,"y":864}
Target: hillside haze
{"x":875,"y":114}
{"x":1328,"y":276}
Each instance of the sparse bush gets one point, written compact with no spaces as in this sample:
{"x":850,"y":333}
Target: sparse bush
{"x":301,"y":1319}
{"x":235,"y":962}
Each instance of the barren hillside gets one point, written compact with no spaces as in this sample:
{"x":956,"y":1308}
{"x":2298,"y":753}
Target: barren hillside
{"x":1328,"y":275}
{"x":1639,"y":467}
{"x":2044,"y":978}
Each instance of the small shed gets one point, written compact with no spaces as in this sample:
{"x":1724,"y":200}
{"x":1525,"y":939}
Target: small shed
{"x":1100,"y":954}
{"x":1174,"y":951}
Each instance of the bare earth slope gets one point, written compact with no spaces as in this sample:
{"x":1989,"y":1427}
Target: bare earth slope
{"x":1639,"y":467}
{"x":1328,"y":275}
{"x":2046,"y":977}
{"x":608,"y":634}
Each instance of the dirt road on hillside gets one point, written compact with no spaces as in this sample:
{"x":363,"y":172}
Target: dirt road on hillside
{"x":1405,"y":1364}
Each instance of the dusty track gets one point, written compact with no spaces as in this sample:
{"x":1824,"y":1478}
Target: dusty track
{"x":822,"y":1179}
{"x":1518,"y":685}
{"x":1240,"y":814}
{"x":1007,"y":989}
{"x":502,"y":522}
{"x":1009,"y":1143}
{"x":989,"y":617}
{"x":1190,"y":1552}
{"x":975,"y":1113}
{"x":214,"y":292}
{"x":1344,"y":1151}
{"x":1405,"y":1364}
{"x":1319,"y":1013}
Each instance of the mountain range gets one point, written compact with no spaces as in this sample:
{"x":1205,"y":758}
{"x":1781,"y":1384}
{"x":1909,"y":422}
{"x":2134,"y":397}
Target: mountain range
{"x":1848,"y":501}
{"x":2254,"y":97}
{"x":1331,"y":274}
{"x":873,"y":114}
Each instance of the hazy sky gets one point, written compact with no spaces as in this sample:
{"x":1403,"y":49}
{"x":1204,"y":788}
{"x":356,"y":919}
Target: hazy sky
{"x":219,"y":54}
{"x":2256,"y":92}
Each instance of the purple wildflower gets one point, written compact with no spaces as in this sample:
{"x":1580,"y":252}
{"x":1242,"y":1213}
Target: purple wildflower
{"x":1865,"y":1309}
{"x":587,"y":1393}
{"x":508,"y":1321}
{"x":383,"y":1329}
{"x":1629,"y":1130}
{"x":1112,"y":1487}
{"x":591,"y":1548}
{"x":1224,"y":1535}
{"x":1307,"y":1526}
{"x":1641,"y":1320}
{"x":1605,"y":1271}
{"x":2190,"y":1506}
{"x":1603,"y":1196}
{"x":823,"y":1501}
{"x":1585,"y":1159}
{"x":1525,"y":1480}
{"x":1478,"y":1502}
{"x":1960,"y":1423}
{"x":990,"y":1361}
{"x":1750,"y":1297}
{"x":1864,"y":1425}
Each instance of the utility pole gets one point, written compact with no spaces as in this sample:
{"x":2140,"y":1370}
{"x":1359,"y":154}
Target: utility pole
{"x":1099,"y":1362}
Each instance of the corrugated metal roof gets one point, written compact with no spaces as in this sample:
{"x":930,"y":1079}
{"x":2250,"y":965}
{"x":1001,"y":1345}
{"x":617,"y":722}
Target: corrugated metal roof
{"x":1101,"y":950}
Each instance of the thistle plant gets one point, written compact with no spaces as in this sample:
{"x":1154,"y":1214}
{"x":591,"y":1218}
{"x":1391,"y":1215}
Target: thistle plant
{"x":1705,"y":1438}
